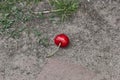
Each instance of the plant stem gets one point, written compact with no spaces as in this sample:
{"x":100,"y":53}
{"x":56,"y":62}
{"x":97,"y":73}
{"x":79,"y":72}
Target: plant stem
{"x":46,"y":12}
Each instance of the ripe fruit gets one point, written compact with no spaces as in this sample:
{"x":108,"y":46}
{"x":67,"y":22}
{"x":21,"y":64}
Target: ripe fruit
{"x":61,"y":40}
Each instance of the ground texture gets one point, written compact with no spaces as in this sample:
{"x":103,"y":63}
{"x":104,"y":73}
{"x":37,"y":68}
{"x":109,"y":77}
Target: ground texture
{"x":94,"y":51}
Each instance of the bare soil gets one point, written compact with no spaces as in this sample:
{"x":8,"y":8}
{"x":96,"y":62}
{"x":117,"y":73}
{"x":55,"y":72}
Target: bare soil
{"x":94,"y":33}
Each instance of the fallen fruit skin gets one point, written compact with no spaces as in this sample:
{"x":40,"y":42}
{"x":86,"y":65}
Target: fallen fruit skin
{"x":61,"y":39}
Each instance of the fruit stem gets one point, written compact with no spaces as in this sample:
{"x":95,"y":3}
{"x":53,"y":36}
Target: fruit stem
{"x":49,"y":55}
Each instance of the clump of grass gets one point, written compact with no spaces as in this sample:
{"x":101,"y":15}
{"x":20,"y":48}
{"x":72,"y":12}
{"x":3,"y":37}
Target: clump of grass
{"x":64,"y":8}
{"x":43,"y":41}
{"x":5,"y":22}
{"x":14,"y":14}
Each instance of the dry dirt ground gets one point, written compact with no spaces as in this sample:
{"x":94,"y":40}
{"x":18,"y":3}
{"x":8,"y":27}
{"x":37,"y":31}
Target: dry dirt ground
{"x":94,"y":33}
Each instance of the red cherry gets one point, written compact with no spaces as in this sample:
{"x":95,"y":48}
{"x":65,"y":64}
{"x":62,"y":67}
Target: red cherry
{"x":61,"y":40}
